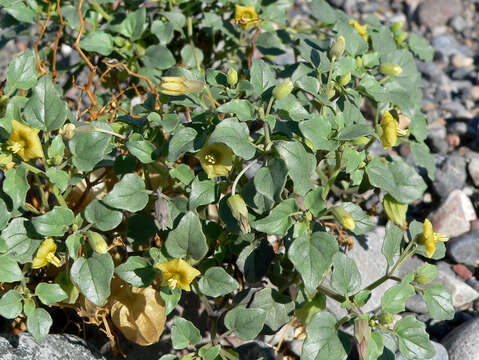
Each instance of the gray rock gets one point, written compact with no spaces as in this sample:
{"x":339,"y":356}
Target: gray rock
{"x":367,"y":247}
{"x":463,"y":342}
{"x":465,"y":248}
{"x":450,"y":176}
{"x":416,"y":304}
{"x":255,"y":350}
{"x":296,"y":346}
{"x":455,"y":214}
{"x":473,"y":168}
{"x":55,"y":347}
{"x":438,"y":145}
{"x":458,"y":23}
{"x":458,"y":127}
{"x":447,"y":45}
{"x":433,"y":13}
{"x":441,"y":353}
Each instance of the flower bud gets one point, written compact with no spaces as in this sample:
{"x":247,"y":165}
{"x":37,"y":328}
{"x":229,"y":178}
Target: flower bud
{"x":345,"y":79}
{"x":338,"y":48}
{"x":390,"y":69}
{"x":386,"y":318}
{"x":344,"y":218}
{"x":232,"y":77}
{"x":176,"y":85}
{"x":397,"y":26}
{"x":282,"y":90}
{"x":363,"y":140}
{"x":395,"y":210}
{"x":240,"y":211}
{"x":330,"y":92}
{"x":425,"y":274}
{"x":359,"y":62}
{"x":67,"y":131}
{"x":400,"y":38}
{"x":97,"y":242}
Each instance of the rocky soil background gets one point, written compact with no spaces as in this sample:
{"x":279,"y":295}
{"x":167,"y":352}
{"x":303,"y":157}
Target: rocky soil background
{"x":451,"y":99}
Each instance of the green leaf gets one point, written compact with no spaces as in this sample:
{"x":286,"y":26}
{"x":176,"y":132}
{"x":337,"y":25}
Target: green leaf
{"x":92,"y":276}
{"x":21,"y":72}
{"x":345,"y":278}
{"x":235,"y":135}
{"x":262,"y":77}
{"x":134,"y":24}
{"x":323,"y":341}
{"x":191,"y":56}
{"x":5,"y":215}
{"x":355,"y":131}
{"x":243,"y":109}
{"x":11,"y":304}
{"x":312,"y":256}
{"x":103,"y":217}
{"x":217,"y":282}
{"x":278,"y":307}
{"x":187,"y":239}
{"x":424,"y":158}
{"x":394,"y":299}
{"x":15,"y":240}
{"x":46,"y":110}
{"x":38,"y":324}
{"x":159,"y":57}
{"x":362,"y":297}
{"x":314,"y":202}
{"x":293,"y":107}
{"x":137,"y":271}
{"x":245,"y":323}
{"x":59,"y":178}
{"x":89,"y":148}
{"x":142,"y":149}
{"x":426,"y":273}
{"x":50,"y":293}
{"x":97,"y":41}
{"x":421,"y":47}
{"x":183,"y":173}
{"x":129,"y":194}
{"x":316,"y":131}
{"x":375,"y":346}
{"x":322,"y":11}
{"x":184,"y":333}
{"x":9,"y":270}
{"x":270,"y":180}
{"x":73,"y":244}
{"x":397,"y":178}
{"x":392,"y":242}
{"x":300,"y":164}
{"x":363,"y":223}
{"x":171,"y":298}
{"x":439,"y":302}
{"x":254,"y":260}
{"x":202,"y":193}
{"x":16,"y":186}
{"x":55,"y":222}
{"x":413,"y":339}
{"x":181,"y":142}
{"x":209,"y":352}
{"x":279,"y":220}
{"x":163,"y":31}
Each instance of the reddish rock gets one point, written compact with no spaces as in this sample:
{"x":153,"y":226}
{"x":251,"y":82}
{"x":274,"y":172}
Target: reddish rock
{"x":462,"y":271}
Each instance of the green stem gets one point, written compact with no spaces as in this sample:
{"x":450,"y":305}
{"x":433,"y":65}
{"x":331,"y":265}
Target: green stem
{"x":329,"y":83}
{"x":59,"y":196}
{"x":238,"y":177}
{"x":43,"y":197}
{"x":331,"y":294}
{"x":100,"y":10}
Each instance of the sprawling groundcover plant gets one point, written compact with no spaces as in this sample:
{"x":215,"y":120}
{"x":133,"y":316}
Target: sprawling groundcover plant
{"x":155,"y":148}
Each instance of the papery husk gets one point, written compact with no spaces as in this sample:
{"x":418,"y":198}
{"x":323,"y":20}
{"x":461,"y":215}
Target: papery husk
{"x":139,"y":313}
{"x":77,"y":199}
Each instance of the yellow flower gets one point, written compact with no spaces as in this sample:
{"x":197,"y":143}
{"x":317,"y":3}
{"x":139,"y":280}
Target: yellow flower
{"x":177,"y":273}
{"x":176,"y":85}
{"x":360,"y":29}
{"x":391,"y":130}
{"x":429,"y":238}
{"x":46,"y":254}
{"x":24,"y":141}
{"x":245,"y":16}
{"x":240,"y":212}
{"x":216,"y":159}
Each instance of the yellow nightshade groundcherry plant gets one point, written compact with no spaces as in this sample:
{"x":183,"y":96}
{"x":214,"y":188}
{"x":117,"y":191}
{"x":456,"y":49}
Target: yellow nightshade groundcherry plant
{"x":214,"y":157}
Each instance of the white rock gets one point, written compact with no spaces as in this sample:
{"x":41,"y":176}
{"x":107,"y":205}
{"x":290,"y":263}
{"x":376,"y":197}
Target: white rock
{"x":454,"y":215}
